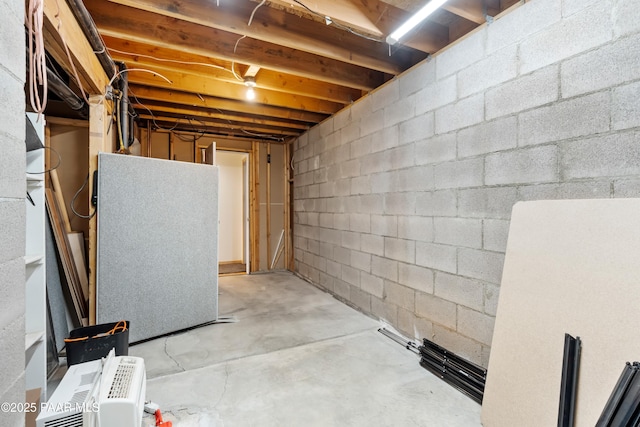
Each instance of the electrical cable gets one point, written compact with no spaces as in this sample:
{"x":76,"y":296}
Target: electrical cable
{"x":153,"y":117}
{"x":50,"y":169}
{"x":263,"y":135}
{"x":254,"y":11}
{"x":73,"y":201}
{"x":37,"y":57}
{"x":155,"y":73}
{"x":202,"y":133}
{"x":121,"y":326}
{"x":204,"y":64}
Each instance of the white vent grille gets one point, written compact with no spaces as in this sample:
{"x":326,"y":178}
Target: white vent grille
{"x":74,"y":420}
{"x":79,"y":397}
{"x":121,"y":384}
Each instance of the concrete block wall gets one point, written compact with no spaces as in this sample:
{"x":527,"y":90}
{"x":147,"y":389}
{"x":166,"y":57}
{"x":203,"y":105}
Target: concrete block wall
{"x":414,"y":184}
{"x":12,"y":207}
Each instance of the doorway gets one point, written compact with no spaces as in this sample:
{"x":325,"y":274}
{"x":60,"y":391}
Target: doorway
{"x":233,"y":246}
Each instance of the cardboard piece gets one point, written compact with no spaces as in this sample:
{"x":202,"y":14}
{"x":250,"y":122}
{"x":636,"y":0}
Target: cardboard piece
{"x":571,"y":266}
{"x":32,"y":399}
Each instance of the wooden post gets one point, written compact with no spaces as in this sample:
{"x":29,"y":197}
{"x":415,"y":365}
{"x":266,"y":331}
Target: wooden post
{"x":100,"y":140}
{"x":268,"y":205}
{"x":288,"y":208}
{"x":254,"y":223}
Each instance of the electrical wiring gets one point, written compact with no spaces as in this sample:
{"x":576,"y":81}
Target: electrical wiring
{"x":155,"y":73}
{"x":73,"y":201}
{"x":153,"y":117}
{"x":202,"y":133}
{"x":254,"y":11}
{"x":233,"y":63}
{"x":264,"y":135}
{"x":37,"y":58}
{"x":117,"y":112}
{"x":46,"y":147}
{"x":204,"y":64}
{"x":121,"y":326}
{"x":73,"y":68}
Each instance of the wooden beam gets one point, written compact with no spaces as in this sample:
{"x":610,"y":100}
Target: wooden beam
{"x":251,"y":71}
{"x":60,"y":27}
{"x":472,"y":10}
{"x":204,"y":101}
{"x":254,"y":216}
{"x":145,"y":27}
{"x":207,"y":86}
{"x":199,"y":112}
{"x":377,"y":18}
{"x":359,"y":16}
{"x":268,"y":206}
{"x":100,"y":140}
{"x":265,"y":78}
{"x":221,"y":126}
{"x":62,"y":121}
{"x":277,"y":26}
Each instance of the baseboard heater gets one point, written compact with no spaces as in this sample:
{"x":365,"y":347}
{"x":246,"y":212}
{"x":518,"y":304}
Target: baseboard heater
{"x":453,"y":369}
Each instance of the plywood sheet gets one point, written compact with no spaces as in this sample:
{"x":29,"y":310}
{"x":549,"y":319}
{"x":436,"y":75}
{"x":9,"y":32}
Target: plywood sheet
{"x":570,"y":266}
{"x":157,"y":244}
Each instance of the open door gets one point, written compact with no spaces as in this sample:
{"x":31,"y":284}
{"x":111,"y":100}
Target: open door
{"x":234,"y":211}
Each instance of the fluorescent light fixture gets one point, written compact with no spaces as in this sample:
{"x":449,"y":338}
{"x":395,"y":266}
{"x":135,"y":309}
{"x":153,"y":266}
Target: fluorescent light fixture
{"x":417,"y":18}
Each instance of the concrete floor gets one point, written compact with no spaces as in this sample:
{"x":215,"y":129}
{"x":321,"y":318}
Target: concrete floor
{"x":295,"y":357}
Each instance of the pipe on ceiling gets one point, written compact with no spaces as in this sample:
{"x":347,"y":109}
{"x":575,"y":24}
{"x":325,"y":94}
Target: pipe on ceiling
{"x":91,"y":32}
{"x":60,"y":88}
{"x":123,"y":110}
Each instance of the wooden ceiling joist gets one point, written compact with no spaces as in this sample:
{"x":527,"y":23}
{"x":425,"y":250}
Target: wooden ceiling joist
{"x":162,"y":108}
{"x":207,"y":125}
{"x":60,"y":27}
{"x":197,"y":100}
{"x":375,"y":18}
{"x":308,"y":58}
{"x":204,"y":86}
{"x":145,"y":27}
{"x":198,"y":67}
{"x":276,"y":26}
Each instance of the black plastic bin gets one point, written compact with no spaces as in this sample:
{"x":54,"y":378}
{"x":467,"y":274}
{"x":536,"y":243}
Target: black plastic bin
{"x":96,"y":345}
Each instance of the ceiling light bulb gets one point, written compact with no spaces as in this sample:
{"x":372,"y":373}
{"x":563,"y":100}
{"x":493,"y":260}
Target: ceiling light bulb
{"x":417,"y":18}
{"x":251,"y":94}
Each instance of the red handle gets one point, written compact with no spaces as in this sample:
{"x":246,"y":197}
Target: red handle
{"x":159,"y":422}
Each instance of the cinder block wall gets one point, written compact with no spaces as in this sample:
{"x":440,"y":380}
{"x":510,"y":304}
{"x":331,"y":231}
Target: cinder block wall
{"x":402,"y":201}
{"x":12,"y":207}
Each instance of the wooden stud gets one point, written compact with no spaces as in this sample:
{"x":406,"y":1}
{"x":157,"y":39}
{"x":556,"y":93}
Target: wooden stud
{"x":47,"y":154}
{"x":100,"y":140}
{"x":255,"y":203}
{"x":288,"y":258}
{"x":268,"y":205}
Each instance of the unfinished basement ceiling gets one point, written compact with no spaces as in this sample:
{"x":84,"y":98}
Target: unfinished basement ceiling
{"x":305,"y":69}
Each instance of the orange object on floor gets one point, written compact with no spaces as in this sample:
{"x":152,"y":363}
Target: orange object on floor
{"x":159,"y":422}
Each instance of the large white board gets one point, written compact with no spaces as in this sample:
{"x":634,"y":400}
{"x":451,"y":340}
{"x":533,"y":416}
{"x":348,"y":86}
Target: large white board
{"x":571,"y":266}
{"x":157,"y":244}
